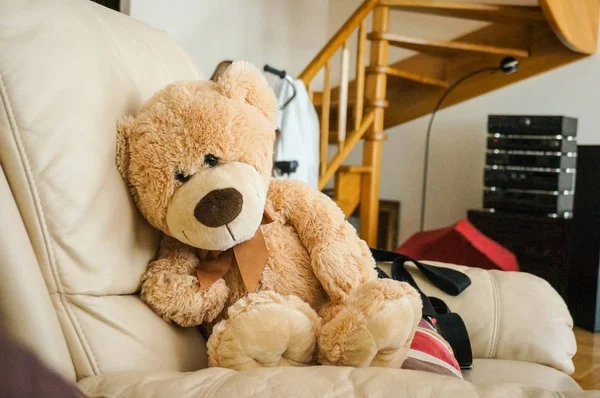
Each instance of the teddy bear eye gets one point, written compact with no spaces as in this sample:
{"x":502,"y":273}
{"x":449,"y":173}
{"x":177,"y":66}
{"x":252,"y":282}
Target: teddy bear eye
{"x":211,"y":160}
{"x":182,"y":177}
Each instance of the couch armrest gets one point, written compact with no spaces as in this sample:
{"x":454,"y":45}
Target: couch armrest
{"x":510,"y":315}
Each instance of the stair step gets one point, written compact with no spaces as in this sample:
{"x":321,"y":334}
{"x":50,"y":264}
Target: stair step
{"x":415,"y":77}
{"x":333,"y":137}
{"x":444,"y":47}
{"x":334,"y":102}
{"x":347,"y":188}
{"x":480,"y":12}
{"x":355,"y":169}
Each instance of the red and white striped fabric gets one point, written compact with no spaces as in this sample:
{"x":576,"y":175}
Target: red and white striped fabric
{"x":430,"y":352}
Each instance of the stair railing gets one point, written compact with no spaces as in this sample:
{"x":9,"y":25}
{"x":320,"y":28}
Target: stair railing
{"x":322,"y":60}
{"x":367,"y":108}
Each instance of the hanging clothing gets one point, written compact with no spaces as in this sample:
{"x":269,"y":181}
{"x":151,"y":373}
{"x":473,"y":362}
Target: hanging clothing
{"x":299,"y":126}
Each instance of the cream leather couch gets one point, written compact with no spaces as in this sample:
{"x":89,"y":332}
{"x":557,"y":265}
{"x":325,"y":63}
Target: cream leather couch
{"x":73,"y":247}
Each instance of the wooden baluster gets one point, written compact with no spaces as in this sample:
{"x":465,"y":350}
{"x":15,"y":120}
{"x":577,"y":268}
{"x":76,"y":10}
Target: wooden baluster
{"x":310,"y":92}
{"x":343,"y":99}
{"x":376,"y":92}
{"x":325,"y":104}
{"x":360,"y":75}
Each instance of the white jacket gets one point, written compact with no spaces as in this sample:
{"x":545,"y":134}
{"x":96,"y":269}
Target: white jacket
{"x":299,"y":139}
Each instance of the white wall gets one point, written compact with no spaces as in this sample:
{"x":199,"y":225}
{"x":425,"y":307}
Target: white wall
{"x":283,"y":33}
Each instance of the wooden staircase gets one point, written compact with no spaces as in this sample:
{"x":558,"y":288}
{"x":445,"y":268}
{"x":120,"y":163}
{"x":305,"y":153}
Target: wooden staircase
{"x":382,"y":94}
{"x":445,"y":47}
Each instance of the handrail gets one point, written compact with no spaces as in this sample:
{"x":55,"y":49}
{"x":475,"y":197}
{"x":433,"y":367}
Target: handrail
{"x":337,"y":160}
{"x":336,"y":41}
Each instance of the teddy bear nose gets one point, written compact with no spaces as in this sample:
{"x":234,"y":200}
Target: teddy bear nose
{"x":219,"y":207}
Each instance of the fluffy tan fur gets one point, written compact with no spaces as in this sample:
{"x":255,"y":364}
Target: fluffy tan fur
{"x":318,"y":299}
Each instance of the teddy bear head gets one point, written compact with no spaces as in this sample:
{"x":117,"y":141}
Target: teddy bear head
{"x":198,"y":157}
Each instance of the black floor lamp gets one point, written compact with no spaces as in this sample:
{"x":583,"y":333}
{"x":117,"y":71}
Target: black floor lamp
{"x":508,"y":65}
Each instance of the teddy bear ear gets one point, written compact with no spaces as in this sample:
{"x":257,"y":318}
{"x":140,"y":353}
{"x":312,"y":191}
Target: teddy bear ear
{"x":124,"y":128}
{"x":220,"y":69}
{"x":243,"y":80}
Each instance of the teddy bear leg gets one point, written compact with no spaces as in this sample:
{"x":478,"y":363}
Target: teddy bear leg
{"x":265,"y":329}
{"x":375,"y":327}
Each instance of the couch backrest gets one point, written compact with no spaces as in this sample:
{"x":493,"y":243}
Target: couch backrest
{"x":72,"y":245}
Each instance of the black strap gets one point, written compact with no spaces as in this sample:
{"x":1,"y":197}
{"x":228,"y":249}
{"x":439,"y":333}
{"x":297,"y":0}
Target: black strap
{"x":453,"y":329}
{"x":447,"y":280}
{"x":399,"y":273}
{"x":450,"y":325}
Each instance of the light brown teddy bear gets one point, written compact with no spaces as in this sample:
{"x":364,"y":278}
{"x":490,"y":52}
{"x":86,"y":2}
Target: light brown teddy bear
{"x":270,"y":265}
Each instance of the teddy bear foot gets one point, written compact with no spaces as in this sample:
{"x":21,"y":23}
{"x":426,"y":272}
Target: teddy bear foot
{"x":263,"y":330}
{"x":374,"y":328}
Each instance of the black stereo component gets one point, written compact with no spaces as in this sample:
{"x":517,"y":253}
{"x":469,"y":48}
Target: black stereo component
{"x":531,"y":164}
{"x":540,"y":243}
{"x":529,"y":178}
{"x":535,"y":159}
{"x":532,"y":143}
{"x":550,"y":203}
{"x":532,"y":125}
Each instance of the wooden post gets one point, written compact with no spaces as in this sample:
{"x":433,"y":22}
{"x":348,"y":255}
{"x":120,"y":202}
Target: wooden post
{"x":360,"y":75}
{"x":343,"y":98}
{"x":325,"y":104}
{"x":375,"y":99}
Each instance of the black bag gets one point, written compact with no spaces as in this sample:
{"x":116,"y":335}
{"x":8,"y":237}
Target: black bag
{"x":450,"y":325}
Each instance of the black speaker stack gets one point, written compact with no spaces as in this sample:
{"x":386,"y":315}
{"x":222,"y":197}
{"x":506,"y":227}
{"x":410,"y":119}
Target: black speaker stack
{"x":530,"y":165}
{"x":542,"y":201}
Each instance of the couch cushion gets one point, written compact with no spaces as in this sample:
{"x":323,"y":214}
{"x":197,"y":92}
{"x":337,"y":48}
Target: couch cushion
{"x":68,"y":70}
{"x":487,"y":371}
{"x":317,"y":381}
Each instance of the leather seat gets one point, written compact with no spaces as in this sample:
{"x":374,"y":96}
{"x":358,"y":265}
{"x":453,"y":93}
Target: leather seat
{"x":491,"y":371}
{"x":311,"y":382}
{"x":73,"y":247}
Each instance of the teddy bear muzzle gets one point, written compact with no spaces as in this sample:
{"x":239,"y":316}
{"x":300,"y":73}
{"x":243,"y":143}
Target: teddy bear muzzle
{"x":218,"y":207}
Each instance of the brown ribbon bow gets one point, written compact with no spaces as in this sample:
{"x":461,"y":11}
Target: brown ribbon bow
{"x":250,"y":257}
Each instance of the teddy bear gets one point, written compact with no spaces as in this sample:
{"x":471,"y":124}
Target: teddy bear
{"x":270,"y":267}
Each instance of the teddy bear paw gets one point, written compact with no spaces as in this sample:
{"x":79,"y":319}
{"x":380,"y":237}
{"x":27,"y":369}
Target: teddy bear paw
{"x":375,"y":328}
{"x":263,"y":330}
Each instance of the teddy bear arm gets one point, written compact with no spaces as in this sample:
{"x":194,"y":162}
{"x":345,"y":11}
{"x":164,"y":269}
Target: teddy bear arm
{"x":339,"y":258}
{"x":172,"y":290}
